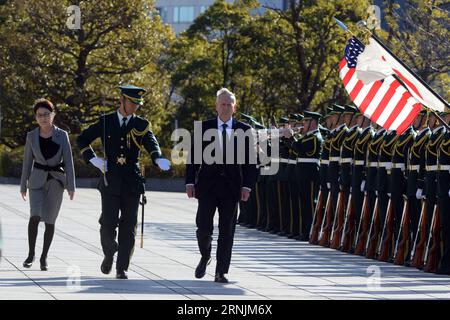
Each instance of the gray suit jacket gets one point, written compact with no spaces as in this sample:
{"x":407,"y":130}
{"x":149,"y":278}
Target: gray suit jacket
{"x":34,"y":178}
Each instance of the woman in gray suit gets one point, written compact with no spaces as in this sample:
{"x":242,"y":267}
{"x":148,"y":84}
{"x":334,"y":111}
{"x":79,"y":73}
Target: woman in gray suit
{"x":47,"y":170}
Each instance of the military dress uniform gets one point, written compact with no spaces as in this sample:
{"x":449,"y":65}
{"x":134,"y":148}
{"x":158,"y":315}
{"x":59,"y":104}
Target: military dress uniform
{"x":416,"y":164}
{"x":443,"y":182}
{"x":308,"y":149}
{"x":123,"y":183}
{"x":429,"y":174}
{"x":284,"y":189}
{"x":398,"y":183}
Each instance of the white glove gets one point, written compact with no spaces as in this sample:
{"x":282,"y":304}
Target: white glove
{"x":389,"y":194}
{"x":419,"y":194}
{"x":163,"y":164}
{"x":100,"y":163}
{"x":329,"y":186}
{"x":449,"y":193}
{"x":363,"y":184}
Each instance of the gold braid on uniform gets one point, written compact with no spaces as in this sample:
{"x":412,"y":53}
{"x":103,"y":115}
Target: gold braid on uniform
{"x":135,"y":133}
{"x":401,"y":144}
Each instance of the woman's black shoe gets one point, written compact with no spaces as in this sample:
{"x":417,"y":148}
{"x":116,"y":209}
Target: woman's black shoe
{"x":28,"y":262}
{"x":44,"y":266}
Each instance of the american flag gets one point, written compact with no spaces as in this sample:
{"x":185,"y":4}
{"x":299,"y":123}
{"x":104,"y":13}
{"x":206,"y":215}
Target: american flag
{"x":386,"y":102}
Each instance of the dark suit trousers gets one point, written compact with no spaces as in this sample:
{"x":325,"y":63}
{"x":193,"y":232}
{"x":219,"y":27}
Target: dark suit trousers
{"x":227,"y":206}
{"x":128,"y":205}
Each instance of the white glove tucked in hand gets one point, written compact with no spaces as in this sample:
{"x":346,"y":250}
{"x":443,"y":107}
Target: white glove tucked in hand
{"x":100,"y":163}
{"x":163,"y":164}
{"x":363,"y":184}
{"x":419,"y":194}
{"x":449,"y":193}
{"x":329,"y":186}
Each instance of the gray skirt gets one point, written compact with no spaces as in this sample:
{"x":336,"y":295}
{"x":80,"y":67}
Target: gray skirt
{"x":46,"y":201}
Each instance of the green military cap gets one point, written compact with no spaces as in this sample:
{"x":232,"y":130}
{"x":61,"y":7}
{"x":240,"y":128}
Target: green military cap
{"x":283,"y":120}
{"x":423,"y":112}
{"x":350,"y":109}
{"x":445,"y":113}
{"x":295,"y":116}
{"x":247,"y":118}
{"x":334,"y":109}
{"x":259,"y":125}
{"x":133,"y":93}
{"x":312,"y":115}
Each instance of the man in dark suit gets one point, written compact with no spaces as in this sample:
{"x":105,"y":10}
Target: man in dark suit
{"x":124,"y":135}
{"x":220,"y":184}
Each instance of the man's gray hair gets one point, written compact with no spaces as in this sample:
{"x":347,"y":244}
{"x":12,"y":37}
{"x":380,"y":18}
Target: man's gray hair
{"x":225,"y":91}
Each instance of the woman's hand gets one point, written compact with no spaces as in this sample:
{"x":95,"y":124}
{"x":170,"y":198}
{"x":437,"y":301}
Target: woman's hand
{"x":24,"y":195}
{"x":71,"y":194}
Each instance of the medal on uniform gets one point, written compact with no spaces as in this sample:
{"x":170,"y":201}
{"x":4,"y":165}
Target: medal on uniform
{"x":121,"y":160}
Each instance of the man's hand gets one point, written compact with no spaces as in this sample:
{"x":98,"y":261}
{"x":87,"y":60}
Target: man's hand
{"x":190,"y":190}
{"x":163,"y":164}
{"x":363,"y":184}
{"x":24,"y":195}
{"x":100,"y":163}
{"x":245,"y":194}
{"x":71,"y":194}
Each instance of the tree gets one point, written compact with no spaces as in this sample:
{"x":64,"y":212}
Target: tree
{"x":119,"y":41}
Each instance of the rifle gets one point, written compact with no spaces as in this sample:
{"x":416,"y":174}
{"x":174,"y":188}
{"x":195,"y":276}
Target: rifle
{"x":349,"y":227}
{"x":338,"y":224}
{"x":374,"y":231}
{"x":324,"y":235}
{"x":434,"y":242}
{"x":387,"y":235}
{"x":363,"y":227}
{"x":143,"y":202}
{"x":419,"y":241}
{"x":317,"y":220}
{"x":401,"y":246}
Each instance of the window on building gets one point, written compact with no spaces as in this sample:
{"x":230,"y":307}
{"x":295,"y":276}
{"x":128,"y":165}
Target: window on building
{"x":162,"y":11}
{"x":183,"y":14}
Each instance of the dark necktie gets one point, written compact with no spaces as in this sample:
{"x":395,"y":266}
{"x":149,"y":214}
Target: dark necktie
{"x":224,"y":141}
{"x":124,"y":123}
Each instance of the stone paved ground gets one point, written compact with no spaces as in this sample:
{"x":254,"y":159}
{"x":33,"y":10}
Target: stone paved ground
{"x":264,"y":266}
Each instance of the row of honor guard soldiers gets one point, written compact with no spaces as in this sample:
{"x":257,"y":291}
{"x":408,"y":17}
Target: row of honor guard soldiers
{"x":349,"y":184}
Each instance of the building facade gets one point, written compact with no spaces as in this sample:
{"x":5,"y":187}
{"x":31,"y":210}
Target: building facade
{"x":180,"y":14}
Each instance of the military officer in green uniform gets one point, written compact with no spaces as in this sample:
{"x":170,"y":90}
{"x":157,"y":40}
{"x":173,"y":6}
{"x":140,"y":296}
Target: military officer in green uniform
{"x":308,"y":149}
{"x":124,"y":135}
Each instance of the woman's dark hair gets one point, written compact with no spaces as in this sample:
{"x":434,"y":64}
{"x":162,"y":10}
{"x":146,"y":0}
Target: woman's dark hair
{"x":43,"y":103}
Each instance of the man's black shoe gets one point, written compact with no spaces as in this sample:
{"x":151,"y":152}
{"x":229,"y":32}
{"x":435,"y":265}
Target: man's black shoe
{"x":201,"y":268}
{"x":121,"y":274}
{"x":220,"y":277}
{"x":107,"y":264}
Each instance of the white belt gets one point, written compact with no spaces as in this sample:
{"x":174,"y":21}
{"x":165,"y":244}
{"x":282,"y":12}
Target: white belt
{"x":373,"y":164}
{"x":309,"y":160}
{"x":415,"y":167}
{"x":346,"y":160}
{"x":335,"y":159}
{"x":432,"y":168}
{"x":324,"y":162}
{"x":387,"y":165}
{"x":398,"y":166}
{"x":359,"y":162}
{"x":292,"y":161}
{"x":444,"y":167}
{"x":284,"y":160}
{"x":274,"y":160}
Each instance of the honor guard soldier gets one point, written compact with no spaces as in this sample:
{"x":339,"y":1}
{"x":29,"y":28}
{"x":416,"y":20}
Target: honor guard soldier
{"x":443,"y":179}
{"x":294,"y":195}
{"x":358,"y":142}
{"x":283,"y":180}
{"x":308,"y":149}
{"x":416,"y":163}
{"x":261,"y":183}
{"x":431,"y":166}
{"x":397,"y":185}
{"x":371,"y":187}
{"x":124,"y":135}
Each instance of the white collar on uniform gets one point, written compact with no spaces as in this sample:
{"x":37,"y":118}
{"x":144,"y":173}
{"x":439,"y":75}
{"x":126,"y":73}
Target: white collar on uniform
{"x":220,"y":123}
{"x":121,"y":117}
